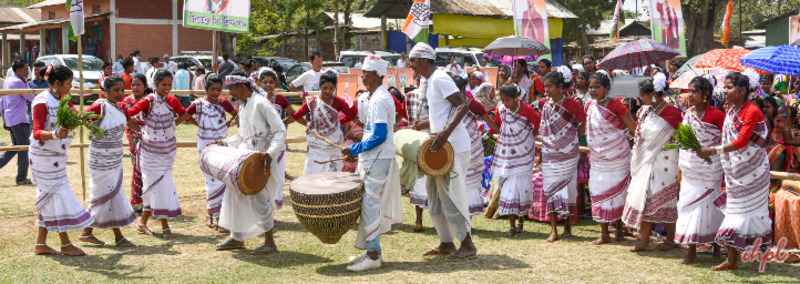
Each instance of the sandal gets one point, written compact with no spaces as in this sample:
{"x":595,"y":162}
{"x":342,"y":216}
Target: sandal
{"x":91,"y":239}
{"x":144,"y":230}
{"x":265,"y":249}
{"x":124,"y":243}
{"x":230,"y":244}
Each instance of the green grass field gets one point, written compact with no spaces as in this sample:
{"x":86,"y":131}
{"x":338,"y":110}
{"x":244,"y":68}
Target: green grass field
{"x":190,"y":256}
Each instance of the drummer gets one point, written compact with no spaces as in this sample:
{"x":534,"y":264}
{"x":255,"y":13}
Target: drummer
{"x":447,"y":108}
{"x":260,"y":129}
{"x":381,"y":203}
{"x":320,"y":115}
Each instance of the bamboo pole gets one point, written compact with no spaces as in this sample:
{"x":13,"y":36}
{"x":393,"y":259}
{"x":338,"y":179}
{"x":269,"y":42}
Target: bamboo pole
{"x":80,"y":110}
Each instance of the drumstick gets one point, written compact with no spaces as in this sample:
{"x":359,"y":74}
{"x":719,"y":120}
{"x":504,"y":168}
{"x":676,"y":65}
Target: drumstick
{"x":329,"y":161}
{"x":325,"y":139}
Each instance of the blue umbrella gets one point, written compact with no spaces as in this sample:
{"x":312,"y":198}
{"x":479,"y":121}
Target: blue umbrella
{"x":784,"y":59}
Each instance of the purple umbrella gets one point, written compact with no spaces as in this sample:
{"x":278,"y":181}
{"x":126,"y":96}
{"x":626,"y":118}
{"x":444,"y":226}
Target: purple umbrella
{"x":638,"y":53}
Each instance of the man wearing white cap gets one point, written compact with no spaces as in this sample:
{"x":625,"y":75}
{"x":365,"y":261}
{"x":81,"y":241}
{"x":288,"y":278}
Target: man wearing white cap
{"x":381,"y":203}
{"x":447,"y":195}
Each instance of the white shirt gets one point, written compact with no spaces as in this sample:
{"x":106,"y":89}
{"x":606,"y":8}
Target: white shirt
{"x":439,"y":87}
{"x":381,"y":110}
{"x":260,"y":128}
{"x":309,"y":80}
{"x":151,"y":76}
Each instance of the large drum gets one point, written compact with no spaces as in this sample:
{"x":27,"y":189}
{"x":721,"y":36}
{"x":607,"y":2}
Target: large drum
{"x":327,"y":204}
{"x":246,"y":170}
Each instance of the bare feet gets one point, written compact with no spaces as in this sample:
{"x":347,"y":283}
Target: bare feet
{"x":166,"y":233}
{"x":143,"y":229}
{"x":724,"y":266}
{"x":418,"y":228}
{"x":602,"y":240}
{"x":91,"y":239}
{"x":71,"y":250}
{"x":230,"y":244}
{"x":512,"y":232}
{"x":266,"y":249}
{"x":444,"y":249}
{"x":640,"y":247}
{"x":43,"y":249}
{"x":466,"y":251}
{"x":124,"y":243}
{"x":553,"y":237}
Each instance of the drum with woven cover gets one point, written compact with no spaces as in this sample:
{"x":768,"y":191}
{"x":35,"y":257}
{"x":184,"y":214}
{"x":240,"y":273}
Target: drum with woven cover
{"x":327,"y":204}
{"x":245,"y":170}
{"x":435,"y":163}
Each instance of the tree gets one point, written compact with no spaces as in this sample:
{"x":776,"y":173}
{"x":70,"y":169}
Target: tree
{"x":590,"y":13}
{"x":699,"y":17}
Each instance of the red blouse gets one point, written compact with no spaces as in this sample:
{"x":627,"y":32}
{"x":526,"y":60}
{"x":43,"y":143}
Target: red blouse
{"x":526,"y":111}
{"x":714,"y":116}
{"x":750,"y":116}
{"x":672,"y":115}
{"x":143,"y":105}
{"x":338,"y":104}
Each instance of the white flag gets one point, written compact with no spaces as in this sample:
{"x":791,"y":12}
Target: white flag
{"x":76,"y":16}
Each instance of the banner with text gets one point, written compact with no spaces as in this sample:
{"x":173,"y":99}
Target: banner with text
{"x":219,"y":15}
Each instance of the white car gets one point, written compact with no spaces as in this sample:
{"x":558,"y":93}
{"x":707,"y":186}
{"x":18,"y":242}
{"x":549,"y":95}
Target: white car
{"x":353,"y":59}
{"x":465,"y":57}
{"x":92,"y":68}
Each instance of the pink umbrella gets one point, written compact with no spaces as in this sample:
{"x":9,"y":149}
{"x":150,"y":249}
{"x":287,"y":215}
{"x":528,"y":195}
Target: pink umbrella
{"x":638,"y":53}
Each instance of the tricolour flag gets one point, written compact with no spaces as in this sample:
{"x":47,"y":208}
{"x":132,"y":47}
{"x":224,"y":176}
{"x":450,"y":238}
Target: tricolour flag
{"x":616,"y":20}
{"x":75,"y":8}
{"x":726,"y":24}
{"x":418,"y":21}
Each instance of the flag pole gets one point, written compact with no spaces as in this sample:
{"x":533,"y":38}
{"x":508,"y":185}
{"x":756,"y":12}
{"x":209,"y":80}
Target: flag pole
{"x":80,"y":132}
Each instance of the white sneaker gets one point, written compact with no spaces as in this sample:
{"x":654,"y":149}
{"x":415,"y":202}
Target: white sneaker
{"x":366,"y":263}
{"x":356,"y":258}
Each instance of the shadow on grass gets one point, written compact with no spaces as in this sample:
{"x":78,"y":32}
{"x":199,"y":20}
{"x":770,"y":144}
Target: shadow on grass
{"x":282,"y":259}
{"x":107,"y":266}
{"x":289,"y":226}
{"x":749,"y":271}
{"x":434,"y":266}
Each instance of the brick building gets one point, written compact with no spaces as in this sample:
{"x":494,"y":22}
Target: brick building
{"x":116,"y":27}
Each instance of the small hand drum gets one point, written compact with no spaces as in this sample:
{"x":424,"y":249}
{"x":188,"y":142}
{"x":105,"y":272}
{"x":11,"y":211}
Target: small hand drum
{"x":245,"y":170}
{"x":437,"y":163}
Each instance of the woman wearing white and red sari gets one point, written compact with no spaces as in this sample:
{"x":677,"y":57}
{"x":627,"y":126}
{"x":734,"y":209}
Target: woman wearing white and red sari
{"x":607,"y":125}
{"x":653,"y":190}
{"x":746,"y":168}
{"x":157,"y":153}
{"x":513,"y":156}
{"x":698,"y":215}
{"x":320,"y":114}
{"x":562,"y":119}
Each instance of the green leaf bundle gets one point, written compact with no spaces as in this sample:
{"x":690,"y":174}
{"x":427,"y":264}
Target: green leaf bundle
{"x":686,"y":138}
{"x":66,"y":118}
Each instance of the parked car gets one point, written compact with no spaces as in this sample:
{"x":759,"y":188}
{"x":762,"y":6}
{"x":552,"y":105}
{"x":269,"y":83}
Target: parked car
{"x":465,"y":57}
{"x":92,"y":69}
{"x":193,"y":61}
{"x":354,"y":59}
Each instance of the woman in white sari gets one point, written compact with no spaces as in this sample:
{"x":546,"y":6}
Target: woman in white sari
{"x":746,"y":168}
{"x":607,"y":127}
{"x":57,"y":208}
{"x":108,"y":205}
{"x":653,"y":191}
{"x":698,"y":216}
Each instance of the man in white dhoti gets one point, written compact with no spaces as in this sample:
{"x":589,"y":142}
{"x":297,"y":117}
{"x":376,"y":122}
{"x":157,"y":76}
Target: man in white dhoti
{"x":376,"y":165}
{"x":447,"y":197}
{"x":260,"y":129}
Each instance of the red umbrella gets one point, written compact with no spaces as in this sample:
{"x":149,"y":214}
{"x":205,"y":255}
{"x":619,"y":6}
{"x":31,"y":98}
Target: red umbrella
{"x":723,"y":58}
{"x":638,"y":53}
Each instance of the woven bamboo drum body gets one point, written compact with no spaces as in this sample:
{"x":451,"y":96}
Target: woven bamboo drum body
{"x":244,"y":170}
{"x":327,"y":204}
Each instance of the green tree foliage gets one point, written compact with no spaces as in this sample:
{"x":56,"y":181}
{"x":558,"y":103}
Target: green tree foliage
{"x":590,"y":13}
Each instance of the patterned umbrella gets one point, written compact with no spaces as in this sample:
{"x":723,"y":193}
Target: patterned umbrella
{"x":784,"y":59}
{"x":638,"y":53}
{"x":516,"y":46}
{"x":723,"y":58}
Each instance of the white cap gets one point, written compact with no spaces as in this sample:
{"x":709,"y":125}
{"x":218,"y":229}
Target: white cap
{"x":422,"y":50}
{"x":660,"y":82}
{"x":565,"y":72}
{"x":578,"y":67}
{"x":376,"y":64}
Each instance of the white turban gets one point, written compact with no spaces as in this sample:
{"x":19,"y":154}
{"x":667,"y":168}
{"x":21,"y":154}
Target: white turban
{"x":422,"y":50}
{"x":376,"y":64}
{"x":578,"y":67}
{"x":660,"y":82}
{"x":754,"y":78}
{"x":565,"y":72}
{"x":479,"y":75}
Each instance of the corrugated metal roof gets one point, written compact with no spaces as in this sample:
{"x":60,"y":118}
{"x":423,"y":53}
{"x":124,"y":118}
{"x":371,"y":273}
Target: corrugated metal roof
{"x":494,"y":8}
{"x":47,"y":3}
{"x":19,"y":15}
